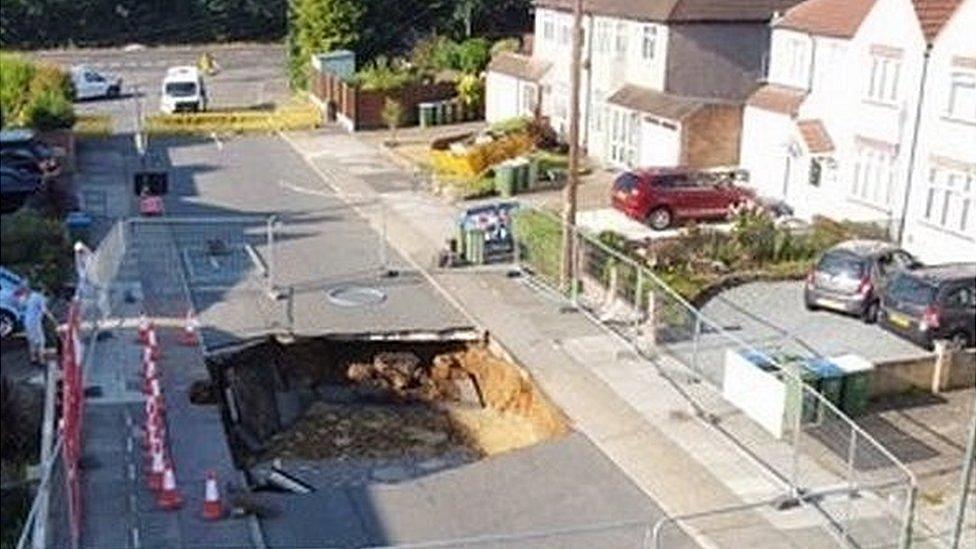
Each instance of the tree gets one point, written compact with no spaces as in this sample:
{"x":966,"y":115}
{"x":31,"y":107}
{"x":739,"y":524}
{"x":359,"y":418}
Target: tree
{"x":393,"y":116}
{"x":318,"y":26}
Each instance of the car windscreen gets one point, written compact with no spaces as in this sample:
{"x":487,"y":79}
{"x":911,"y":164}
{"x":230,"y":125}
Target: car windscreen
{"x":626,"y":182}
{"x":841,"y":264}
{"x":181,"y":89}
{"x":911,"y":290}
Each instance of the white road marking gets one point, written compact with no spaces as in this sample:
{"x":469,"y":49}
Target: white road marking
{"x":220,"y":145}
{"x":135,"y":538}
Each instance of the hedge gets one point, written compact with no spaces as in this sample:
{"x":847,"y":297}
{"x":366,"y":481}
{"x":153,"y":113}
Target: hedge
{"x":34,"y":95}
{"x":302,"y":117}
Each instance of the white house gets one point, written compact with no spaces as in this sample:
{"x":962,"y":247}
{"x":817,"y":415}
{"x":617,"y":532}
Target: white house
{"x":940,"y":218}
{"x":831,"y":131}
{"x":663,"y":80}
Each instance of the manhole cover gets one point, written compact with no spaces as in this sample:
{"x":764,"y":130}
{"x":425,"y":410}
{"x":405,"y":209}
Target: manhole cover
{"x":355,"y":296}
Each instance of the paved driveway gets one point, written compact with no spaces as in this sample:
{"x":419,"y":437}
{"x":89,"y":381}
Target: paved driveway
{"x":771,"y":316}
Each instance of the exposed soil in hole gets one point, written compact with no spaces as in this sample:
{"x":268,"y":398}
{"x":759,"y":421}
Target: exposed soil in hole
{"x":379,"y":402}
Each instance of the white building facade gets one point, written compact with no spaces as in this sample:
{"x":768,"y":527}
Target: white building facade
{"x":656,"y":75}
{"x":940,"y":220}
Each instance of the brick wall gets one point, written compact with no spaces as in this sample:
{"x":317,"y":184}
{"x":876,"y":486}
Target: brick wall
{"x":710,"y":137}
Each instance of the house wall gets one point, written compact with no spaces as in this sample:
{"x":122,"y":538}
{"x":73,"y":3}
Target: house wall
{"x":871,"y":137}
{"x":660,"y":143}
{"x":501,"y":96}
{"x":945,"y":140}
{"x":711,"y":136}
{"x":716,"y":59}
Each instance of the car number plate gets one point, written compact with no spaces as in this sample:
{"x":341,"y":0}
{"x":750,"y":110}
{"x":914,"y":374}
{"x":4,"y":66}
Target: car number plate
{"x":830,"y":303}
{"x":899,"y":320}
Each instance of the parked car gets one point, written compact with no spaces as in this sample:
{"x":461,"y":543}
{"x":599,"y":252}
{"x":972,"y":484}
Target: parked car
{"x":661,"y":197}
{"x":13,"y":297}
{"x":931,"y":303}
{"x":848,"y":277}
{"x":86,"y":83}
{"x":183,"y":90}
{"x":24,"y":142}
{"x":16,"y":187}
{"x":21,"y":161}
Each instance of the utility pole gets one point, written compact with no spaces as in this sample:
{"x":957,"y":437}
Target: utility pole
{"x":567,"y":274}
{"x":967,"y":477}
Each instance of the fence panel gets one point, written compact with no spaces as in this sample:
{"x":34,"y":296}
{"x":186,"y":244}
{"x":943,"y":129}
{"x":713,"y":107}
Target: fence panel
{"x":805,"y":440}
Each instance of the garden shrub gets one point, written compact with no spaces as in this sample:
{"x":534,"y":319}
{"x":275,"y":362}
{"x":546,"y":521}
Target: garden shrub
{"x":383,"y":75}
{"x":473,"y":55}
{"x":540,"y":235}
{"x":32,"y":95}
{"x":37,"y":248}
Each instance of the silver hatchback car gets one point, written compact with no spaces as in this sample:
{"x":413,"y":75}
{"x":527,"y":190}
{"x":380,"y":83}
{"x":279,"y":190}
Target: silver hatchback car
{"x":848,"y":278}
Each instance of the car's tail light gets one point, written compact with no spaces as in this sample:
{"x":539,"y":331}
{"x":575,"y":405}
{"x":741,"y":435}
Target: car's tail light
{"x":930,"y":318}
{"x":864,"y":288}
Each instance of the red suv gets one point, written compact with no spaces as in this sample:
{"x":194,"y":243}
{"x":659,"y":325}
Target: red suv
{"x":662,"y":196}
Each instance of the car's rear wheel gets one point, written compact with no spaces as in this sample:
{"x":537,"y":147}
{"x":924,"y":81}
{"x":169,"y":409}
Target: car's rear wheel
{"x":8,"y":323}
{"x":113,"y":91}
{"x":659,"y":219}
{"x":870,"y":313}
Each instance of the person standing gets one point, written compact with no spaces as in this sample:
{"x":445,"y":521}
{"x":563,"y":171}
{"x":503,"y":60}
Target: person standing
{"x":35,"y":310}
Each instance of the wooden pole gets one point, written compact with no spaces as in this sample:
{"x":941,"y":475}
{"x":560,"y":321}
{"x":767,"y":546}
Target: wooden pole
{"x":567,"y":275}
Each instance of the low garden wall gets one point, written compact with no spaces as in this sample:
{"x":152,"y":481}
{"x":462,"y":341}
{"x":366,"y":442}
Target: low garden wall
{"x":359,"y":109}
{"x":944,"y":371}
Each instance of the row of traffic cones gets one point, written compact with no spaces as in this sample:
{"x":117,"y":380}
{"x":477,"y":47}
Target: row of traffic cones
{"x":161,"y":478}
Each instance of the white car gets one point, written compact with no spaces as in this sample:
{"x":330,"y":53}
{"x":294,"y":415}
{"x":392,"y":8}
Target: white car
{"x":183,"y":90}
{"x":86,"y":83}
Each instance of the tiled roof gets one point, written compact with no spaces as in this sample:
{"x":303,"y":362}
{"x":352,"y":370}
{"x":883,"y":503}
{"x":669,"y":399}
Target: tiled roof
{"x":837,"y":18}
{"x":519,"y":66}
{"x":934,"y":14}
{"x":678,"y":10}
{"x":777,"y":98}
{"x":663,"y":105}
{"x":815,"y":135}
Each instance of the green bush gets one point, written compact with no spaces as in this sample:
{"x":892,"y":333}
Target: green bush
{"x":382,"y":75}
{"x":505,"y":45}
{"x":37,"y":248}
{"x":473,"y":55}
{"x":34,"y":95}
{"x":470,"y":90}
{"x":510,"y":125}
{"x":540,"y":235}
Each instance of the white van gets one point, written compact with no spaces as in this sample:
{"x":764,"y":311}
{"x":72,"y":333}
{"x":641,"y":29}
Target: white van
{"x":87,"y":83}
{"x":183,"y":90}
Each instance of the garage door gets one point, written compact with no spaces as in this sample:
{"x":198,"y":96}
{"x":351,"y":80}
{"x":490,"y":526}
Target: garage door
{"x":660,"y":143}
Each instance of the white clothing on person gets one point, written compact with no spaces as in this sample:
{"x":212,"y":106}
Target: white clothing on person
{"x":34,"y":320}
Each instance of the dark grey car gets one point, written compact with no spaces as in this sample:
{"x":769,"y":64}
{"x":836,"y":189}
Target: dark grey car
{"x":848,"y":277}
{"x":932,"y":303}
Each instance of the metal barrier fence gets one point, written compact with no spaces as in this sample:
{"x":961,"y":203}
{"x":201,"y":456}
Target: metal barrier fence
{"x":809,"y":445}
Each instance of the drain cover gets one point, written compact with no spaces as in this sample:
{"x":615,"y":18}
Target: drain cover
{"x":355,"y":296}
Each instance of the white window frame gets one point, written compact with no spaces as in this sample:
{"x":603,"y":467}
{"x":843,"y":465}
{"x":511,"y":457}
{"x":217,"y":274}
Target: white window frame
{"x":883,"y":85}
{"x":875,"y":178}
{"x":620,"y":41}
{"x":798,"y":61}
{"x":564,"y":33}
{"x":548,"y":28}
{"x":950,"y":200}
{"x":956,"y":110}
{"x":648,"y":42}
{"x":527,"y":99}
{"x":602,"y":42}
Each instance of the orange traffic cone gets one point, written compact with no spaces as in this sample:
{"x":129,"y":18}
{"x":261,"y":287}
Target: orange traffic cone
{"x":169,"y":497}
{"x":189,"y":335}
{"x":144,"y":328}
{"x":212,"y":508}
{"x":156,"y":469}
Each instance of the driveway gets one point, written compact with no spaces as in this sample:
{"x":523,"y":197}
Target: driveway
{"x":771,"y":316}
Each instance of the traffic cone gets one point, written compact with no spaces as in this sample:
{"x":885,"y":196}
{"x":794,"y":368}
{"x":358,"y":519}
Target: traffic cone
{"x":188,"y":336}
{"x":157,"y":468}
{"x":144,"y":328}
{"x":212,"y":507}
{"x":169,"y":497}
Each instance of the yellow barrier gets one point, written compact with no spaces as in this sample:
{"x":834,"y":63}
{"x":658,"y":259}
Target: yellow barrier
{"x":285,"y":118}
{"x":477,"y":158}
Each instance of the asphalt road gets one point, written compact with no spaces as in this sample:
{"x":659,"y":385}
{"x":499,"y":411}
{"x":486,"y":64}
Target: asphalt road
{"x":250,"y":75}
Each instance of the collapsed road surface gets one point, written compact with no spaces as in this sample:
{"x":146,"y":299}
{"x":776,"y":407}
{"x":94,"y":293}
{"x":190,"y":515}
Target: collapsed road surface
{"x":328,"y":257}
